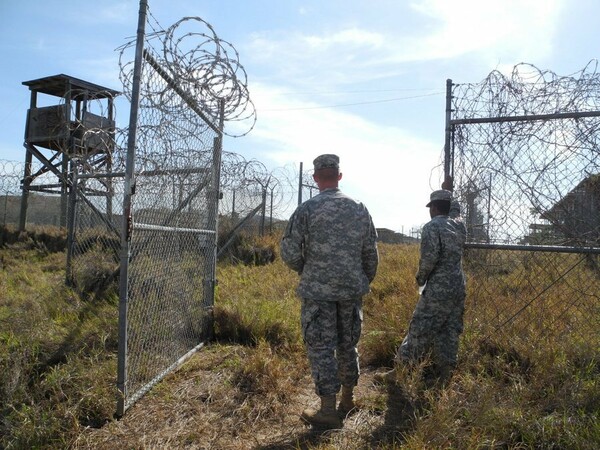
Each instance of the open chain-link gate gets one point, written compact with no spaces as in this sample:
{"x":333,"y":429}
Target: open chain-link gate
{"x":151,"y":222}
{"x":525,"y":156}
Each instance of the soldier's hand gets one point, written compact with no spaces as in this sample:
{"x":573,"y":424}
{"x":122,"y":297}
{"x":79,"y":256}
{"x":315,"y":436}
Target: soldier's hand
{"x":448,"y":183}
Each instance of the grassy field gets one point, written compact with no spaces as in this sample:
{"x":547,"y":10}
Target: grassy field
{"x":515,"y":389}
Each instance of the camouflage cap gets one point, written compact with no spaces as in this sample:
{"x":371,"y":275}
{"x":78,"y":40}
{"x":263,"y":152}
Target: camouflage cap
{"x":440,"y":194}
{"x":327,"y":161}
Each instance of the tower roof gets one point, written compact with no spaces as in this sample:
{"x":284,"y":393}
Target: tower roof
{"x":59,"y":85}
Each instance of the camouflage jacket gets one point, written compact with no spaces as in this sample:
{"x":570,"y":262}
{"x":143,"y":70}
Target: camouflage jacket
{"x":442,"y":243}
{"x":330,"y":241}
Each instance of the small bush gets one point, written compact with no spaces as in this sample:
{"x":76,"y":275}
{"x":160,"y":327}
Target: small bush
{"x":48,"y":238}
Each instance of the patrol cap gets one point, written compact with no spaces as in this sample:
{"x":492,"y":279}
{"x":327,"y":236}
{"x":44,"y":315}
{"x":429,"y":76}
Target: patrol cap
{"x":440,"y":194}
{"x":327,"y":161}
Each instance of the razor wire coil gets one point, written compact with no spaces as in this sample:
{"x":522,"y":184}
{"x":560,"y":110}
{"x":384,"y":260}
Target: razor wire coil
{"x":526,"y":165}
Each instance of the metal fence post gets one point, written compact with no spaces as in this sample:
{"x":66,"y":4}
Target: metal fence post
{"x":71,"y":211}
{"x":447,"y":152}
{"x":300,"y":184}
{"x":213,"y":217}
{"x":127,"y":210}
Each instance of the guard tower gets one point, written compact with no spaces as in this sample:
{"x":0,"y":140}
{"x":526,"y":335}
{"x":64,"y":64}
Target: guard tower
{"x":60,"y":135}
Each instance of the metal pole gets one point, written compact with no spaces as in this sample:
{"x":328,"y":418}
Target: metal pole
{"x":64,"y":191}
{"x":300,"y":186}
{"x":71,"y":228}
{"x":447,"y":158}
{"x":271,"y":214}
{"x":109,"y":156}
{"x":529,"y":117}
{"x":233,"y":206}
{"x":489,"y":210}
{"x":27,"y":173}
{"x":211,"y":263}
{"x":127,"y":213}
{"x":264,"y":211}
{"x":66,"y":157}
{"x":535,"y":248}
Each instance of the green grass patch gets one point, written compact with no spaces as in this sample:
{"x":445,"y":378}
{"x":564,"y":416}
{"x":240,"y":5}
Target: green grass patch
{"x":529,"y":382}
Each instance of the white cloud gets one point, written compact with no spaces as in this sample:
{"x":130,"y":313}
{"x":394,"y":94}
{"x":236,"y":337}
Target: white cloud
{"x":352,"y":37}
{"x":513,"y":30}
{"x":383,"y":166}
{"x":522,"y":28}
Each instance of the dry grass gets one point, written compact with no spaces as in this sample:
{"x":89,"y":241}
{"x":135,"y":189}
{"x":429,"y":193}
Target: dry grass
{"x":247,"y":389}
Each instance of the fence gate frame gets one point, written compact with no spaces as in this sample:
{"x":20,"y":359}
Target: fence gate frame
{"x":208,"y":235}
{"x":449,"y":152}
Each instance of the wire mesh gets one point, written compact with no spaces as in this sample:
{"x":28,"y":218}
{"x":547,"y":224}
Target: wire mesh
{"x":43,"y":208}
{"x":191,"y":84}
{"x":527,"y":172}
{"x":529,"y":181}
{"x":528,"y":297}
{"x":93,"y":259}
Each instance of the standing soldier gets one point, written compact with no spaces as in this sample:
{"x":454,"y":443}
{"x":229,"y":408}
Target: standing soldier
{"x":437,"y":321}
{"x":330,"y":241}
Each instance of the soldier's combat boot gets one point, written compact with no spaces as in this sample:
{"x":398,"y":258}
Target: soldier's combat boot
{"x":346,"y":404}
{"x":443,"y":374}
{"x":325,"y":417}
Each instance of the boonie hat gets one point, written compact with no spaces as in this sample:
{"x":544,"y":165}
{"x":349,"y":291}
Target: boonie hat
{"x":440,"y":194}
{"x":327,"y":161}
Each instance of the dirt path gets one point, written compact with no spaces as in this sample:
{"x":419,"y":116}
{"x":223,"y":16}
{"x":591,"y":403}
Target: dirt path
{"x":200,"y":409}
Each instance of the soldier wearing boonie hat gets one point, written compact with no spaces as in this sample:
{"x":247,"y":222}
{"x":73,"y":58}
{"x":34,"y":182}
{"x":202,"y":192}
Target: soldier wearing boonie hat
{"x":330,"y":241}
{"x":438,"y":318}
{"x":437,"y":321}
{"x":441,"y":195}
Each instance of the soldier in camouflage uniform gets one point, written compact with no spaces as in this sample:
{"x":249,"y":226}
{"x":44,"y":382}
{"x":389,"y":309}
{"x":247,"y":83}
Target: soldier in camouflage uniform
{"x":437,"y":321}
{"x":330,"y":241}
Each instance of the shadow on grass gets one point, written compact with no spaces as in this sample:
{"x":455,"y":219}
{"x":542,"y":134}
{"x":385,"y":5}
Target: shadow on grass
{"x":398,"y":420}
{"x":305,"y":441}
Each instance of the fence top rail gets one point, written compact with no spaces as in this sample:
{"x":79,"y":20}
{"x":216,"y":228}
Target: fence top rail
{"x":535,"y":248}
{"x":150,"y":227}
{"x":191,"y":102}
{"x":148,"y":173}
{"x":529,"y":117}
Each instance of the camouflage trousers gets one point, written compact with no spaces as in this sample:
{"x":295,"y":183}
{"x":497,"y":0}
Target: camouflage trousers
{"x":331,"y":330}
{"x":434,"y":330}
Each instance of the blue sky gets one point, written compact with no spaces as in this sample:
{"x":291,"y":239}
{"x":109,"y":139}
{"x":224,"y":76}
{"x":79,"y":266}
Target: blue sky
{"x":363,"y":79}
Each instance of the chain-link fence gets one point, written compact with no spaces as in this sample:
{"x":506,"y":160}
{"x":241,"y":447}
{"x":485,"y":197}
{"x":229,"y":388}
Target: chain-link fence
{"x":144,"y":202}
{"x":256,"y":199}
{"x":524,"y":152}
{"x":183,"y":82}
{"x":43,"y":208}
{"x":248,"y":190}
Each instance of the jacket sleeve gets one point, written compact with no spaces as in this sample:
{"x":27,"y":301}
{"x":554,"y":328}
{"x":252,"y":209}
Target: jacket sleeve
{"x":370,"y":255}
{"x":430,"y":253}
{"x":292,"y":244}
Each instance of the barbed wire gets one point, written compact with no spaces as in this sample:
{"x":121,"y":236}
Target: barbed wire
{"x":526,"y":161}
{"x":244,"y":185}
{"x":204,"y":66}
{"x":11,"y":173}
{"x":541,"y":145}
{"x":528,"y":90}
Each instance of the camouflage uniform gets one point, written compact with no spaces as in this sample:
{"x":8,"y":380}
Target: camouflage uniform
{"x":330,"y":241}
{"x":438,"y":317}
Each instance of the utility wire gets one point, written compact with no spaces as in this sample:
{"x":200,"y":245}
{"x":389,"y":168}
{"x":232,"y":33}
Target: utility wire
{"x":357,"y":91}
{"x":354,"y":104}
